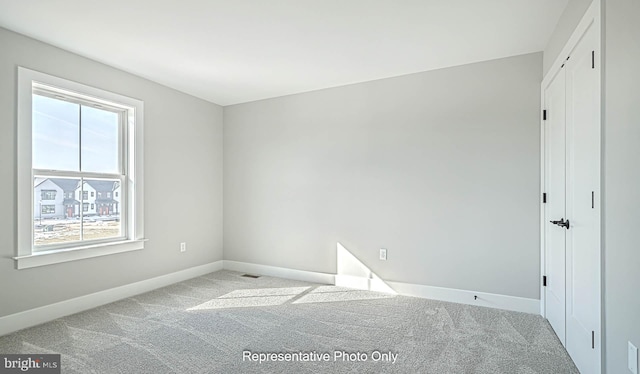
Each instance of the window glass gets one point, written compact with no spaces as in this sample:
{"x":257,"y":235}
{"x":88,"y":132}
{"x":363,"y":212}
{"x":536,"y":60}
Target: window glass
{"x":103,"y":222}
{"x":100,"y":140}
{"x":56,"y":134}
{"x":48,"y":194}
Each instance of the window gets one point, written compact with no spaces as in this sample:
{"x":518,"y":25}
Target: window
{"x":116,"y":193}
{"x":47,"y":195}
{"x":108,"y":195}
{"x":82,"y":139}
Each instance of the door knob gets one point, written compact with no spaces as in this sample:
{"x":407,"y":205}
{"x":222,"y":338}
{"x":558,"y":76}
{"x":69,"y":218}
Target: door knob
{"x":562,"y":223}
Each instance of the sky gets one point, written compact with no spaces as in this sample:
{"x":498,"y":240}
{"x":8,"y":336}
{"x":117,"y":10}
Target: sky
{"x":56,"y":137}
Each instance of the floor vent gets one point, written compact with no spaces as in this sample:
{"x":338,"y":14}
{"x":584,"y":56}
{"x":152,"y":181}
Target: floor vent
{"x":251,"y":276}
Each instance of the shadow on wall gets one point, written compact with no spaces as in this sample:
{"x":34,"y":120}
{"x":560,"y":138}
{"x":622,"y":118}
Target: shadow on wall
{"x":352,"y":273}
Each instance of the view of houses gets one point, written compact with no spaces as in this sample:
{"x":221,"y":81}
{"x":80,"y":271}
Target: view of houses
{"x":60,"y":202}
{"x":64,"y":198}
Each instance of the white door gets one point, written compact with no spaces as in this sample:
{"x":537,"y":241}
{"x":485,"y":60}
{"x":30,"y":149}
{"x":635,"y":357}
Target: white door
{"x":555,"y":236}
{"x":582,"y":204}
{"x":572,"y":177}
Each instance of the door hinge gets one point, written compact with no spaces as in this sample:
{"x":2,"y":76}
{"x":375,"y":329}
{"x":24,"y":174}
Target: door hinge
{"x":544,"y":198}
{"x":593,"y":198}
{"x":544,"y":115}
{"x":593,"y":340}
{"x":593,"y":59}
{"x":544,"y":281}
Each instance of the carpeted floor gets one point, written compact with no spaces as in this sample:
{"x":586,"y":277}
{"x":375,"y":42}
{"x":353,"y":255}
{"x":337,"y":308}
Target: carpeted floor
{"x":205,"y":325}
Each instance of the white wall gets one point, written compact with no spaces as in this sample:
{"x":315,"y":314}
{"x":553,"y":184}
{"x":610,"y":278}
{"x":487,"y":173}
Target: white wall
{"x":621,"y":181}
{"x":441,"y":168}
{"x":569,"y":20}
{"x":183,"y":145}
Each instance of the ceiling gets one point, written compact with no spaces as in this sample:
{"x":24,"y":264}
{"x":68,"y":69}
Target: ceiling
{"x":235,"y":51}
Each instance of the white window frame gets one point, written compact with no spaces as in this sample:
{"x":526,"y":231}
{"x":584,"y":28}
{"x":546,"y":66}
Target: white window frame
{"x":42,"y":193}
{"x":26,"y":257}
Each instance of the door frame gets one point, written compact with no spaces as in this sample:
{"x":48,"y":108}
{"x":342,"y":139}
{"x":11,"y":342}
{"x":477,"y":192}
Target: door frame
{"x":592,"y":17}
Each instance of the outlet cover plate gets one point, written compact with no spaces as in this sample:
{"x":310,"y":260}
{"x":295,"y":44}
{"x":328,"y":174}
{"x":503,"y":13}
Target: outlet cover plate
{"x":383,"y":254}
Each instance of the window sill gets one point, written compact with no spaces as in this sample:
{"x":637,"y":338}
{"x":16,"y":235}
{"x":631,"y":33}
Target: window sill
{"x":78,"y":253}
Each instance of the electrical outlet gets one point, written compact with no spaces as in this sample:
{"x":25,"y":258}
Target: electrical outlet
{"x":183,"y":247}
{"x":633,"y":358}
{"x":383,"y":254}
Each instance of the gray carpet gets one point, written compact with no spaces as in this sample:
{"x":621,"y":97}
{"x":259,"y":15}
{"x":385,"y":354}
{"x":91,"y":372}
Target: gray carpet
{"x":203,"y":325}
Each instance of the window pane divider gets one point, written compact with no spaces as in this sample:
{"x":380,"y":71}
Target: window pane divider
{"x":76,"y":174}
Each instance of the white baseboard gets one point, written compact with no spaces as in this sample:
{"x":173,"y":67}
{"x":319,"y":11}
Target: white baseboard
{"x":514,"y":303}
{"x":363,"y":283}
{"x":274,"y":271}
{"x":36,"y":316}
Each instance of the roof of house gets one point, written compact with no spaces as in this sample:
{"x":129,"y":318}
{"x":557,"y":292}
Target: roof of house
{"x":66,"y":184}
{"x":101,"y":185}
